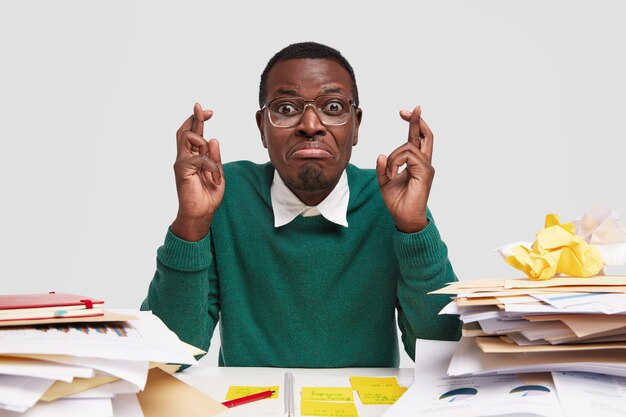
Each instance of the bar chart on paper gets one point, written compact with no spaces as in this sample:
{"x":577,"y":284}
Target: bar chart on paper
{"x":111,"y":329}
{"x":70,"y":331}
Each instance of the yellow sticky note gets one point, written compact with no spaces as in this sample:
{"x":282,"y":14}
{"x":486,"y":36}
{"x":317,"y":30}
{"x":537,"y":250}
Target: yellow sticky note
{"x":241,"y":391}
{"x":380,"y":395}
{"x":364,"y":381}
{"x":327,"y":394}
{"x":328,"y":409}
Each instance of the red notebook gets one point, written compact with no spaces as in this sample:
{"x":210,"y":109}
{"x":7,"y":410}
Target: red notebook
{"x":50,"y":305}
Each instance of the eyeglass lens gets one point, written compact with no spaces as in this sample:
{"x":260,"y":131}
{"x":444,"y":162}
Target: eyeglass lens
{"x":331,"y":110}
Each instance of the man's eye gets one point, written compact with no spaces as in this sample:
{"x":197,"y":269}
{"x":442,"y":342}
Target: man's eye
{"x":333,"y":107}
{"x":286,"y":109}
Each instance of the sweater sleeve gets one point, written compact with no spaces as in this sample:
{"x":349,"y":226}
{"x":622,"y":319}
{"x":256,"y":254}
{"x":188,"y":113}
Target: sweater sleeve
{"x":424,"y":267}
{"x":184,"y":291}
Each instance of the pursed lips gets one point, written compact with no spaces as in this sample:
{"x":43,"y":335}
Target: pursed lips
{"x":310,"y":150}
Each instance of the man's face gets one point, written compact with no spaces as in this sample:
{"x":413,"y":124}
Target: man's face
{"x":309,"y":156}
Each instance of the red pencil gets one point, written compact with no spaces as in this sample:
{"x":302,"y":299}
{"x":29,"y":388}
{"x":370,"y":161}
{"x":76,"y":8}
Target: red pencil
{"x":248,"y":398}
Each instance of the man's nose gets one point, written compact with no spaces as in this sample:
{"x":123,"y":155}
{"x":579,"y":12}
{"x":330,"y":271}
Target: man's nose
{"x":310,"y":124}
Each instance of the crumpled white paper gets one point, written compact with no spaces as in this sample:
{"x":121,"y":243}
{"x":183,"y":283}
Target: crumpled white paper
{"x":507,"y":250}
{"x":600,"y":227}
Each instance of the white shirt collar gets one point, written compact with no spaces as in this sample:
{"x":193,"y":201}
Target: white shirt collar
{"x":287,"y":206}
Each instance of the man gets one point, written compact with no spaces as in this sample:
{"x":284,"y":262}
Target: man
{"x":306,"y":259}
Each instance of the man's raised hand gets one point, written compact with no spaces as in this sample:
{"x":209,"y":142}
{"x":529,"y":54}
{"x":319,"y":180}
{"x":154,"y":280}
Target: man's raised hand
{"x":406,"y":193}
{"x":199,"y":177}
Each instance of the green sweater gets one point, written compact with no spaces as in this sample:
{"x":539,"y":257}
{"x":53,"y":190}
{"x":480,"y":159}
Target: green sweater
{"x":307,"y":294}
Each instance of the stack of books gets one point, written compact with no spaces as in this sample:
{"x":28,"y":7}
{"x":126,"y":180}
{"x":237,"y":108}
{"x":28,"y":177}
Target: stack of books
{"x":521,"y":325}
{"x":18,"y":308}
{"x":65,"y":355}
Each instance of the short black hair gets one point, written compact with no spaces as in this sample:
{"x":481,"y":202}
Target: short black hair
{"x":306,"y":50}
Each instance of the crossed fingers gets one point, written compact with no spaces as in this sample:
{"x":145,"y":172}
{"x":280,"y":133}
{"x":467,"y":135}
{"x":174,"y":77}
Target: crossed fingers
{"x":193,"y":150}
{"x":419,"y":132}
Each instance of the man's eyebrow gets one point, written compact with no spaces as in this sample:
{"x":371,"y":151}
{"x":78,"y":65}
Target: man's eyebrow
{"x":292,"y":92}
{"x":286,"y":91}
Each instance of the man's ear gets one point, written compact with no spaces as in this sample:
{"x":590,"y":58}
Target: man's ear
{"x":260,"y":122}
{"x":358,"y":114}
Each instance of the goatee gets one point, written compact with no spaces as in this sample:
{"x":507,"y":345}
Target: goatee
{"x":311,"y":178}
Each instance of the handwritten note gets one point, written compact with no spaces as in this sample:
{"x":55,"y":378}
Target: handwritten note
{"x":328,"y":409}
{"x":241,"y":391}
{"x":327,"y":394}
{"x":377,"y":390}
{"x":366,"y":381}
{"x":380,"y":395}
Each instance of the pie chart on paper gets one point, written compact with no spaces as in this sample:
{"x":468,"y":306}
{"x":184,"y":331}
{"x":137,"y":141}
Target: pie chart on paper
{"x":458,"y":394}
{"x":530,"y":390}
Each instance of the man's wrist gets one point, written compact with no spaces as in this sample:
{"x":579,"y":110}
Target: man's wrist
{"x":190,"y":230}
{"x":412,"y":227}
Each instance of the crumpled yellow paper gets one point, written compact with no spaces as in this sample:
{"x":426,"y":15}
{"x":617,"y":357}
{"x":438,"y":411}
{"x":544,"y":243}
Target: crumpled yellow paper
{"x":557,"y":250}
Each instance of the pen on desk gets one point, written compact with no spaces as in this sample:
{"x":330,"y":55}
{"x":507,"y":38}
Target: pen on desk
{"x":248,"y":399}
{"x":288,"y":394}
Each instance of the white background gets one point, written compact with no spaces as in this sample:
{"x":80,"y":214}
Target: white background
{"x":526,"y":99}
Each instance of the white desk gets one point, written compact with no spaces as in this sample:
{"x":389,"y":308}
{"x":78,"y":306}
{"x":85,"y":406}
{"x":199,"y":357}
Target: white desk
{"x":432,"y":357}
{"x":215,"y":382}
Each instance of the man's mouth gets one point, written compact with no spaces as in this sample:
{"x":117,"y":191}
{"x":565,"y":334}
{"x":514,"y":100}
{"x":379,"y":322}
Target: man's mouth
{"x":306,"y":150}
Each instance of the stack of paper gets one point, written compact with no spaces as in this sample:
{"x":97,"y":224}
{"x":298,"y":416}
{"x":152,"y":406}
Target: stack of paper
{"x":97,"y":367}
{"x":556,"y":394}
{"x":520,"y":325}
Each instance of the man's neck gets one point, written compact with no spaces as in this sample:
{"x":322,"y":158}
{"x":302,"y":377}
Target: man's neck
{"x":312,"y":198}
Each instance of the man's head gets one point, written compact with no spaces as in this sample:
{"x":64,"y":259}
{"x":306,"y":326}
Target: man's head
{"x":309,"y":119}
{"x":306,"y":50}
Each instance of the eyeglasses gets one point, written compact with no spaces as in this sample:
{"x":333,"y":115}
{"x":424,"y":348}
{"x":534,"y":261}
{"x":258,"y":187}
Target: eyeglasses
{"x":331,"y":109}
